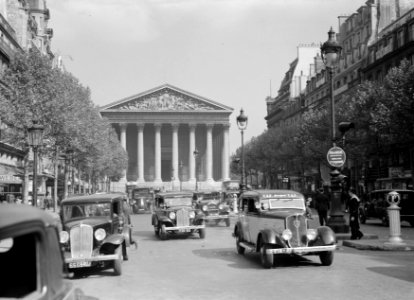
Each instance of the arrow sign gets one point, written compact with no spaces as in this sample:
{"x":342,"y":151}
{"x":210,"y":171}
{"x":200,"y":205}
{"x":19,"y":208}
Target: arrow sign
{"x":336,"y":157}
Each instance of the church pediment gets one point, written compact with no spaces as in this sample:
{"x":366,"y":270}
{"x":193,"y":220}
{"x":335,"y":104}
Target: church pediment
{"x":166,"y":98}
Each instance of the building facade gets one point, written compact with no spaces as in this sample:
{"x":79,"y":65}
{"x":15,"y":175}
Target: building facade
{"x":174,"y":139}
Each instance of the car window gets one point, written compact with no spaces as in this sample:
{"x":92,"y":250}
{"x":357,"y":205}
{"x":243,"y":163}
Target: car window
{"x":286,"y":202}
{"x":72,"y":211}
{"x":178,"y":201}
{"x":24,"y":250}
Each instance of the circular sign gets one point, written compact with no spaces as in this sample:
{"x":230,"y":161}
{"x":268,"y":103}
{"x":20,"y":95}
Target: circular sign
{"x":336,"y":157}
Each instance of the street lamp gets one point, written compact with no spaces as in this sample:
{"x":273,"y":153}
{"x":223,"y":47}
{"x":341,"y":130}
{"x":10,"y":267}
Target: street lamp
{"x":242,"y":124}
{"x":195,"y":153}
{"x":331,"y":52}
{"x":35,"y":134}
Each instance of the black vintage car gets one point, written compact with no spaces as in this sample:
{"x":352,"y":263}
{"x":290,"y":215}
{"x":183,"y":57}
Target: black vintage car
{"x":142,"y":200}
{"x":375,"y":206}
{"x":96,"y":231}
{"x":174,"y":214}
{"x":213,"y":207}
{"x":30,"y":256}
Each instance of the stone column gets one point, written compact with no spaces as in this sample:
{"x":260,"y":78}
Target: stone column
{"x":123,"y":127}
{"x":191,"y":158}
{"x":158,"y":152}
{"x":175,"y":154}
{"x":225,"y":165}
{"x":209,"y":153}
{"x":140,"y":152}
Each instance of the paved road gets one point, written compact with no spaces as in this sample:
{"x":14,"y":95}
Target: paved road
{"x":190,"y":268}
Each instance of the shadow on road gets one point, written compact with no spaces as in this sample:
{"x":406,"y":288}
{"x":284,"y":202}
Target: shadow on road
{"x":252,"y":260}
{"x":400,"y":272}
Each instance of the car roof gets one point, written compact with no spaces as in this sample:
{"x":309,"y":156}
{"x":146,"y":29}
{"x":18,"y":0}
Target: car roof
{"x":165,"y":194}
{"x":99,"y":197}
{"x":13,"y":214}
{"x":268,"y":191}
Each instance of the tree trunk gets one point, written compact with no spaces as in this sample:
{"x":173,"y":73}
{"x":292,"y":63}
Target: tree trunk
{"x":25,"y":179}
{"x":65,"y":184}
{"x":55,"y":181}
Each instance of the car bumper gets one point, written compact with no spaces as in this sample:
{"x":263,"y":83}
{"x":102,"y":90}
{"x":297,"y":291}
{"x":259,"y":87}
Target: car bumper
{"x":86,"y":261}
{"x":216,"y":217}
{"x":184,"y":228}
{"x":301,"y":250}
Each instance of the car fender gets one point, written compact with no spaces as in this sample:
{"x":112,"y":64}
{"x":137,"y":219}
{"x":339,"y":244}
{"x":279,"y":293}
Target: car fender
{"x":269,"y":236}
{"x":114,"y":239}
{"x":326,"y":235}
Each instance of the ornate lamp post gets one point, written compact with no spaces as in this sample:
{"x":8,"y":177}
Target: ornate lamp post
{"x":195,"y":153}
{"x":242,"y":124}
{"x":35,"y":134}
{"x":331,"y":52}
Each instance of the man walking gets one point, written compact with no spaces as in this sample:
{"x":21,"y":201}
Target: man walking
{"x":354,"y":215}
{"x":322,"y":206}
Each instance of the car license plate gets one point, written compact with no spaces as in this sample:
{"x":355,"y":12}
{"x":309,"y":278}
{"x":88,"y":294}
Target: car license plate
{"x":80,"y":264}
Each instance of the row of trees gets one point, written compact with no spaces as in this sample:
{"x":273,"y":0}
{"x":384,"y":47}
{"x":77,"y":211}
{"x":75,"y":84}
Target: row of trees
{"x":32,"y":90}
{"x":383,"y":113}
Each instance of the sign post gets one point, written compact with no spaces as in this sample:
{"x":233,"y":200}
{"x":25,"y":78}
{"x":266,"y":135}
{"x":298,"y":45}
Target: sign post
{"x":336,"y":157}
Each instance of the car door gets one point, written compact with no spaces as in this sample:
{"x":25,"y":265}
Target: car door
{"x":253,"y":219}
{"x":243,"y":219}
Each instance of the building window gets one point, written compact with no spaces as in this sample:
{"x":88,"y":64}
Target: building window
{"x":400,"y":38}
{"x":411,"y":32}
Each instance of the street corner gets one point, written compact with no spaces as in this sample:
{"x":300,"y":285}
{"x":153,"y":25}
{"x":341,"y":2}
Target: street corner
{"x":379,"y":245}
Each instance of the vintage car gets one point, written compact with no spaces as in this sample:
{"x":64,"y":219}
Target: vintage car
{"x":230,"y":191}
{"x":142,"y":200}
{"x":96,"y":231}
{"x":211,"y":204}
{"x":273,"y":222}
{"x":30,"y":256}
{"x":174,"y":213}
{"x":376,"y":206}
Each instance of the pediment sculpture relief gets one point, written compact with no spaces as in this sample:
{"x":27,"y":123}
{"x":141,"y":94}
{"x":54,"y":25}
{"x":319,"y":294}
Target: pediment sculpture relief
{"x":166,"y":100}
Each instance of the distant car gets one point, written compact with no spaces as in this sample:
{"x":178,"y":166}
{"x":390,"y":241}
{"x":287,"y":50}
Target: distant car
{"x":96,"y":231}
{"x":174,"y":214}
{"x":30,"y":256}
{"x":213,"y":207}
{"x":376,"y":206}
{"x":142,"y":200}
{"x":274,"y":222}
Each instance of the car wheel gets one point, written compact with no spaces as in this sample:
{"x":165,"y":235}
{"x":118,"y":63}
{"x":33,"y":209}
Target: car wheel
{"x":240,"y":249}
{"x":267,"y":259}
{"x":228,"y":222}
{"x":163,"y":233}
{"x":118,"y":265}
{"x":202,"y":233}
{"x":326,"y":258}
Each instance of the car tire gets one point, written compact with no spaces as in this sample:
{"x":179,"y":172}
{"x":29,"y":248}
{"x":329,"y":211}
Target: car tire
{"x":118,"y":265}
{"x":163,"y":233}
{"x":326,"y":258}
{"x":228,"y":222}
{"x":267,"y":259}
{"x":202,"y":233}
{"x":240,"y":249}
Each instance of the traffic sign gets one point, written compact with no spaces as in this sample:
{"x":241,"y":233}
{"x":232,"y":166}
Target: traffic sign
{"x":336,"y":157}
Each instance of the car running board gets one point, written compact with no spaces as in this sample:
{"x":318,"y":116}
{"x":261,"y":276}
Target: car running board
{"x":248,"y":247}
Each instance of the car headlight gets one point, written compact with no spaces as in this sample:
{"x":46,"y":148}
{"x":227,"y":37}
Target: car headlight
{"x":221,"y":206}
{"x":64,"y":237}
{"x":204,"y":207}
{"x":311,"y":234}
{"x":171,"y":215}
{"x":191,"y":214}
{"x":100,"y":234}
{"x":286,"y":234}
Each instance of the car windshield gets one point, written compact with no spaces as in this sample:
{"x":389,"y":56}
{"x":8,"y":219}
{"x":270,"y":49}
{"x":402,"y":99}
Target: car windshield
{"x":284,"y":201}
{"x":178,"y":201}
{"x":75,"y":211}
{"x":208,"y":197}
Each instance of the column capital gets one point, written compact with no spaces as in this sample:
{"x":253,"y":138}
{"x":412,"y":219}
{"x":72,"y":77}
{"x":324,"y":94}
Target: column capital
{"x":140,"y":125}
{"x":192,"y":126}
{"x":175,"y":126}
{"x":123,"y":125}
{"x":157,"y":125}
{"x":226,"y":125}
{"x":209,"y":125}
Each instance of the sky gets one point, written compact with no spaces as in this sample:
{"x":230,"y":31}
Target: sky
{"x":235,"y":52}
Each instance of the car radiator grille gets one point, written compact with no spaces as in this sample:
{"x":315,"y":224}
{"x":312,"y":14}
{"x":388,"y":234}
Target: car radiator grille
{"x":297,"y":224}
{"x":182,"y":218}
{"x":81,"y":241}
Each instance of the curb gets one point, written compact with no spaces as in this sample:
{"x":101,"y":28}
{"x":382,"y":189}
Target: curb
{"x":379,"y":245}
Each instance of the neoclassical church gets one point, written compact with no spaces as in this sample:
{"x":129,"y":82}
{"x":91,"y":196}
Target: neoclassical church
{"x":174,"y":139}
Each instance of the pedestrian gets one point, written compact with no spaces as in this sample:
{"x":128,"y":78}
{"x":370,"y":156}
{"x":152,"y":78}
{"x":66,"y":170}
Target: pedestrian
{"x":353,"y":206}
{"x":308,"y":209}
{"x":322,"y":206}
